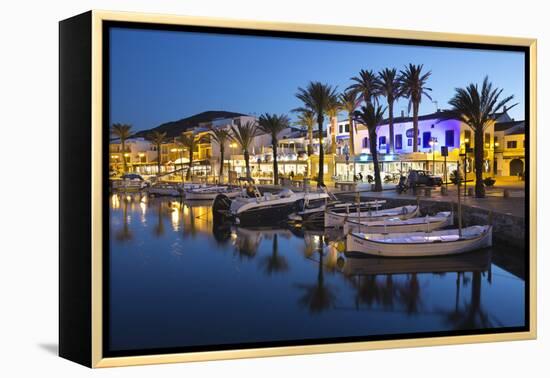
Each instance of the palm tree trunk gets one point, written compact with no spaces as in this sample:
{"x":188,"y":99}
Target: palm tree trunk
{"x":158,"y":159}
{"x":222,"y":153}
{"x":188,"y":176}
{"x":415,"y":127}
{"x":351,"y":137}
{"x":480,"y":189}
{"x":275,"y":164}
{"x":320,"y":178}
{"x":310,"y":138}
{"x":247,"y":162}
{"x":333,"y":126}
{"x":123,"y":145}
{"x":392,"y":137}
{"x":374,"y":154}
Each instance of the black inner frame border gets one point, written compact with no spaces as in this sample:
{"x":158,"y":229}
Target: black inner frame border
{"x":106,"y":27}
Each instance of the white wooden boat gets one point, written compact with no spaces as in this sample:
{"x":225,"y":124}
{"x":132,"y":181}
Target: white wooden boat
{"x":316,"y":214}
{"x":337,"y":219}
{"x":165,"y":189}
{"x":421,"y":244}
{"x":210,"y":192}
{"x":394,"y":225}
{"x":128,"y":185}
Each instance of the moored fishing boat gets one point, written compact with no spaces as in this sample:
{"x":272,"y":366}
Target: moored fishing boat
{"x":395,"y":225}
{"x":210,"y":192}
{"x":337,"y":219}
{"x":316,"y":214}
{"x":421,"y":244}
{"x":129,"y":183}
{"x":165,"y":189}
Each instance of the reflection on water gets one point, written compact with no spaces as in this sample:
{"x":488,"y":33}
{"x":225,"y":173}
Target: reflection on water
{"x":176,"y":280}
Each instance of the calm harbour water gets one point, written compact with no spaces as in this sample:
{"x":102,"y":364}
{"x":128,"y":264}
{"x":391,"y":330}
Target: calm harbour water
{"x":174,"y":282}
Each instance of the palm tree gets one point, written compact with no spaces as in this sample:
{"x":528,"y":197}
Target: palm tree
{"x":366,"y":84}
{"x":350,"y":102}
{"x":244,"y":135}
{"x":273,"y":124}
{"x":122,"y":131}
{"x":477,"y":109}
{"x":317,"y":98}
{"x":222,"y":137}
{"x":388,"y":82}
{"x":189,"y":142}
{"x":372,"y":117}
{"x":157,"y":138}
{"x":413,"y":85}
{"x":306,"y":118}
{"x":332,"y":113}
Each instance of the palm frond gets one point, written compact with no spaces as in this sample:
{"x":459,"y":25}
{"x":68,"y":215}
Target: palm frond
{"x":121,"y":130}
{"x":413,"y":82}
{"x":367,"y":84}
{"x":317,"y":97}
{"x":477,"y":107}
{"x":244,"y":134}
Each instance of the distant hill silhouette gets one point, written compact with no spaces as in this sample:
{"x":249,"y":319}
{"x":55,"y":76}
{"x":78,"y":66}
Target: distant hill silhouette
{"x":175,"y":128}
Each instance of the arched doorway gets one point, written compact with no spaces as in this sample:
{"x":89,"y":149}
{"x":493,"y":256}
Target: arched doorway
{"x":516,"y":167}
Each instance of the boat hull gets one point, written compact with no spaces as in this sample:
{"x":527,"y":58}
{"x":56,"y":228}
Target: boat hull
{"x":397,"y":226}
{"x":333,"y":219}
{"x":197,"y":196}
{"x":164,"y":192}
{"x":358,"y":243}
{"x":273,"y":214}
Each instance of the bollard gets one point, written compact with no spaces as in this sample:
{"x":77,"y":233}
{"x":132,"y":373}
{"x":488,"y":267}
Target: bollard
{"x":470,"y":192}
{"x":506,"y":193}
{"x":427,"y":192}
{"x":444,"y":191}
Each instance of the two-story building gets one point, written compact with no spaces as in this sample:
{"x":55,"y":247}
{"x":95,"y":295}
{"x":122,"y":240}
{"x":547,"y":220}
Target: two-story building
{"x":435,"y":131}
{"x":509,"y":148}
{"x":139,"y":153}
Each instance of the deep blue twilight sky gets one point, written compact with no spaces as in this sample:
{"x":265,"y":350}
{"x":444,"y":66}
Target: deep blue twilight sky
{"x":161,"y":76}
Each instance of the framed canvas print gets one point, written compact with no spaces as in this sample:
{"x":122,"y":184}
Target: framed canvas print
{"x":235,"y":189}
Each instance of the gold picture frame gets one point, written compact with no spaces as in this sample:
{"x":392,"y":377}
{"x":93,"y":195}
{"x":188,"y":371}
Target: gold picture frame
{"x":95,"y":20}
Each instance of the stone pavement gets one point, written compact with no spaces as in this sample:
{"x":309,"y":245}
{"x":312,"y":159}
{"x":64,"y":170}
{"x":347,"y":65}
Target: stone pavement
{"x":494,"y":200}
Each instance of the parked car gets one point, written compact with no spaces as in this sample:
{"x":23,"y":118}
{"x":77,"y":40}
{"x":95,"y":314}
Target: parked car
{"x":425,"y":178}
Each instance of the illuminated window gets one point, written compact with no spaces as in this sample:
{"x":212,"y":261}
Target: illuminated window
{"x":512,"y":144}
{"x":467,"y":136}
{"x":487,"y":140}
{"x":398,"y":141}
{"x":426,"y":137}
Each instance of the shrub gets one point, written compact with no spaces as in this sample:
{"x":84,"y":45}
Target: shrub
{"x":489,"y":181}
